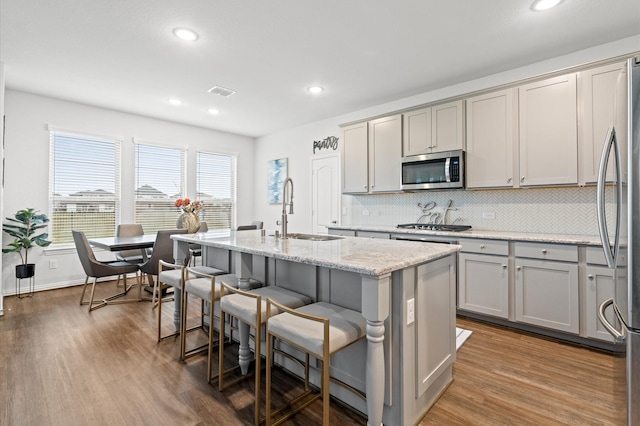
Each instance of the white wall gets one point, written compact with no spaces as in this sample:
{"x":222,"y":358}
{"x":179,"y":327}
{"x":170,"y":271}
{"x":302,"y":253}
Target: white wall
{"x":1,"y":168}
{"x":296,"y":144}
{"x":27,"y":167}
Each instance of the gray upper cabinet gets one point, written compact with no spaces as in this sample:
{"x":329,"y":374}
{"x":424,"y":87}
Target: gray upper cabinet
{"x":548,"y":132}
{"x":416,"y":139}
{"x":597,"y":88}
{"x":354,"y":159}
{"x":385,"y":153}
{"x":491,"y":138}
{"x":371,"y":157}
{"x":436,"y":128}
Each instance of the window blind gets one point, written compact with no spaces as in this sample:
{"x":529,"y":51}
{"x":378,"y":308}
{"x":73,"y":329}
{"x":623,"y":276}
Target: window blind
{"x":160,"y":181}
{"x":215,"y":187}
{"x":84,"y":186}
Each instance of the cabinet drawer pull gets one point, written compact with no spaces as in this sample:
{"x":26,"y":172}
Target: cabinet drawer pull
{"x":544,"y":251}
{"x":481,"y":246}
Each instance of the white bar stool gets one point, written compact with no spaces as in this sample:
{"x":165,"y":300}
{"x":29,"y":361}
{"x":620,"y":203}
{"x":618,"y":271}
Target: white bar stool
{"x":319,"y":329}
{"x":250,"y":308}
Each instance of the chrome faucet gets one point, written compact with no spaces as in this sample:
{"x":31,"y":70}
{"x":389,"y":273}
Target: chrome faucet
{"x":283,"y":221}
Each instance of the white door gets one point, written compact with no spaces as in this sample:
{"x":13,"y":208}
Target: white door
{"x":325,"y":193}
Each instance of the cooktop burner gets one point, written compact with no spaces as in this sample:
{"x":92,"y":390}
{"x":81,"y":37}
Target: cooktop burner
{"x":434,"y":227}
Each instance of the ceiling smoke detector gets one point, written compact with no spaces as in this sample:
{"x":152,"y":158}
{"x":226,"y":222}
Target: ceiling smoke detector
{"x":217,"y":90}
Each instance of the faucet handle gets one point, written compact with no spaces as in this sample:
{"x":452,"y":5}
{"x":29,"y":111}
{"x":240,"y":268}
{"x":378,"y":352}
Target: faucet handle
{"x":278,"y":222}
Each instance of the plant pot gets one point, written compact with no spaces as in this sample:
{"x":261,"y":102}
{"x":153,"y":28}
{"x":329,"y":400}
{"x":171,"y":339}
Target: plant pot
{"x":25,"y":271}
{"x":189,"y":221}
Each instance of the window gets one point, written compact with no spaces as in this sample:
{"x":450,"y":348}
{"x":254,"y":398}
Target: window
{"x":84,"y":182}
{"x":160,"y":181}
{"x":216,"y":188}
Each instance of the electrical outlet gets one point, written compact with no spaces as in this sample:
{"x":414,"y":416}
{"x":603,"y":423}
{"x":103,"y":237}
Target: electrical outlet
{"x":411,"y":311}
{"x":53,"y":264}
{"x":365,"y":212}
{"x":488,"y":215}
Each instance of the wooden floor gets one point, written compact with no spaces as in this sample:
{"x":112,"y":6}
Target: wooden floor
{"x":60,"y":365}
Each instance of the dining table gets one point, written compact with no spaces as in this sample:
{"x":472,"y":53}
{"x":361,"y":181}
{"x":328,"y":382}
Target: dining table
{"x":114,"y":244}
{"x":138,"y":242}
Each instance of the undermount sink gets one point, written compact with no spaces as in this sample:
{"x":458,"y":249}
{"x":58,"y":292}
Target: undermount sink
{"x":313,"y":237}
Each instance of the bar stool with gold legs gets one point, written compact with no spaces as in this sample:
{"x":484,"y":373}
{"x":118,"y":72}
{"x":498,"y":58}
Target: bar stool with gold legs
{"x":174,"y":276}
{"x":207,"y":287}
{"x":319,"y":329}
{"x":250,"y":308}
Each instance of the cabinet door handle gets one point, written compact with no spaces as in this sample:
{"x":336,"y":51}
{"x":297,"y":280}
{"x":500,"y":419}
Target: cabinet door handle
{"x":590,"y":276}
{"x":518,"y":267}
{"x":508,"y":180}
{"x":365,"y":187}
{"x":522,"y":179}
{"x":504,"y":266}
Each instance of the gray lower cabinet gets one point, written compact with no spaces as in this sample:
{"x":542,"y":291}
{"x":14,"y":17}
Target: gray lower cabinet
{"x":546,"y":290}
{"x":483,"y":279}
{"x":598,"y":288}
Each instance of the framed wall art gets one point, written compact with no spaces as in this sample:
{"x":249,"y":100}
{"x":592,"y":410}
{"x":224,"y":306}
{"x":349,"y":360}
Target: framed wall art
{"x":277,"y":170}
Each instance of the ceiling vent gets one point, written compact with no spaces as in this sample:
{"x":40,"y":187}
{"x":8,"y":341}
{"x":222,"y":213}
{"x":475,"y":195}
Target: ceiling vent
{"x":217,"y":90}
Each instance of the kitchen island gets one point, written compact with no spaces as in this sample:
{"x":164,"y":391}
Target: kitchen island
{"x":406,"y":294}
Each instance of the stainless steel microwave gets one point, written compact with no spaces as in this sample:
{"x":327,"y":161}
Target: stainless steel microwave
{"x":441,"y":170}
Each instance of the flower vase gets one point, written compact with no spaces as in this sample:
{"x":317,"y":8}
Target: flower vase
{"x":189,"y":221}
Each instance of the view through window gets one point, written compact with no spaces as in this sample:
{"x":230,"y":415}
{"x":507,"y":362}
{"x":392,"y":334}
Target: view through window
{"x":84,"y":185}
{"x":216,"y":181}
{"x":160,"y":181}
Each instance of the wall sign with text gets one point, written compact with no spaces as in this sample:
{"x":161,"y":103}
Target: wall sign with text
{"x":330,"y":142}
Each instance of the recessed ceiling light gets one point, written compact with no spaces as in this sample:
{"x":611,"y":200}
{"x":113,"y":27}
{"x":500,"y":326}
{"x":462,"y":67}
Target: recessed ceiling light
{"x":174,"y":101}
{"x":185,"y":34}
{"x":213,"y":111}
{"x":315,"y":89}
{"x":540,"y":5}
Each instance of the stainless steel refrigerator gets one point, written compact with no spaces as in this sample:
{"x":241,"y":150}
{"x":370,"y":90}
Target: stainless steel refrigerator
{"x":621,"y":237}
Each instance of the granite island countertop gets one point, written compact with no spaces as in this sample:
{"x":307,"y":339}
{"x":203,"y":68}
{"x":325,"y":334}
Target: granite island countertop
{"x":361,"y":255}
{"x":589,"y":240}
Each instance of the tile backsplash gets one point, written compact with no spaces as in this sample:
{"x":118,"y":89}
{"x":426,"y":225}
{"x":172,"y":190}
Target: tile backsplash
{"x":569,"y":210}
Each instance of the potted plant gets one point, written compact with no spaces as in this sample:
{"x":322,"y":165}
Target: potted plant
{"x":23,"y":226}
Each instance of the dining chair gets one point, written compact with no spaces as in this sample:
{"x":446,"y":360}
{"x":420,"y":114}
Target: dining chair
{"x":246,"y":227}
{"x":195,"y":250}
{"x":130,"y":230}
{"x":97,"y":269}
{"x":162,"y":250}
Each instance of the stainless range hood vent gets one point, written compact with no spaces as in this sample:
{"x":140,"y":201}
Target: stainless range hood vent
{"x":217,"y":90}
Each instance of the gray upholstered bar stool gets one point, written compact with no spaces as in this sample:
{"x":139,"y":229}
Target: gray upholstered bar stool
{"x":250,"y":308}
{"x":319,"y":329}
{"x":174,"y":275}
{"x":207,"y":288}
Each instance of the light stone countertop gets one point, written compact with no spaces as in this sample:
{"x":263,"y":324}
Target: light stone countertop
{"x":485,"y":234}
{"x":361,"y":255}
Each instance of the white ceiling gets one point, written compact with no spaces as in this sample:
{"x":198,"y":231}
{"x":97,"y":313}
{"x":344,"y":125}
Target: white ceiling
{"x":122,"y":55}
